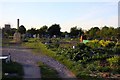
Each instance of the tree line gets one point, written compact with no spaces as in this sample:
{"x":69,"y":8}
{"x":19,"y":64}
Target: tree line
{"x":55,"y":29}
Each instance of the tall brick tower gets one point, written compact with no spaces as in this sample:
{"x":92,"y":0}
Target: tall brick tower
{"x":17,"y":23}
{"x":17,"y":35}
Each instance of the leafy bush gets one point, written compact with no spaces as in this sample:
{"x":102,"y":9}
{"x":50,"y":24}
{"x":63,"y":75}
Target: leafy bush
{"x":116,"y":50}
{"x":81,"y":46}
{"x":53,"y":45}
{"x":118,"y":44}
{"x":110,"y":45}
{"x":103,"y":69}
{"x":101,"y":43}
{"x":104,"y":43}
{"x":93,"y":44}
{"x":114,"y":61}
{"x":91,"y":67}
{"x":83,"y":73}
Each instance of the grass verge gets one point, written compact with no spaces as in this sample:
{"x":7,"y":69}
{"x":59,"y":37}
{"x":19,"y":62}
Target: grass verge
{"x":48,"y":73}
{"x":12,"y":68}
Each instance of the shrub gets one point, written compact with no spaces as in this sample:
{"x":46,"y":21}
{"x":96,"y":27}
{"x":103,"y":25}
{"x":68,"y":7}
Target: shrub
{"x":114,"y":61}
{"x":103,"y":69}
{"x":83,"y":73}
{"x":101,"y":43}
{"x":104,"y":43}
{"x":93,"y":44}
{"x":117,"y":44}
{"x":116,"y":50}
{"x":110,"y":45}
{"x":91,"y":67}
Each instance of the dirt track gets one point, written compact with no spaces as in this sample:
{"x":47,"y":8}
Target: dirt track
{"x":29,"y":61}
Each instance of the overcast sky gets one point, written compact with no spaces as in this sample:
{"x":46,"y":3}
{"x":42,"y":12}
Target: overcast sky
{"x":67,"y":14}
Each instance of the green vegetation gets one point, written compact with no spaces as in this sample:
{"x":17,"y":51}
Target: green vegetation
{"x":48,"y":73}
{"x":38,"y":47}
{"x":7,"y":42}
{"x":93,"y":59}
{"x":14,"y":70}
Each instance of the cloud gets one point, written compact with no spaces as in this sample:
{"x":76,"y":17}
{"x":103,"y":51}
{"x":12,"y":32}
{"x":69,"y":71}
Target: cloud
{"x":95,"y":18}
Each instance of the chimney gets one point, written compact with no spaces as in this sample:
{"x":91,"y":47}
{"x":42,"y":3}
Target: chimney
{"x":17,"y":23}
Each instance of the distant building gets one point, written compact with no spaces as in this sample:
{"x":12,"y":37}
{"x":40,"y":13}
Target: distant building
{"x":6,"y":30}
{"x":7,"y":26}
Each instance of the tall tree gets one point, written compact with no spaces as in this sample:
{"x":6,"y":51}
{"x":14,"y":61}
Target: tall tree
{"x":54,"y":30}
{"x":93,"y":32}
{"x":43,"y":31}
{"x":74,"y":32}
{"x":32,"y":31}
{"x":22,"y":29}
{"x":104,"y":32}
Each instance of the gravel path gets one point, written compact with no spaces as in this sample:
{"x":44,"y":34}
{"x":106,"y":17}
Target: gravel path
{"x":30,"y":60}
